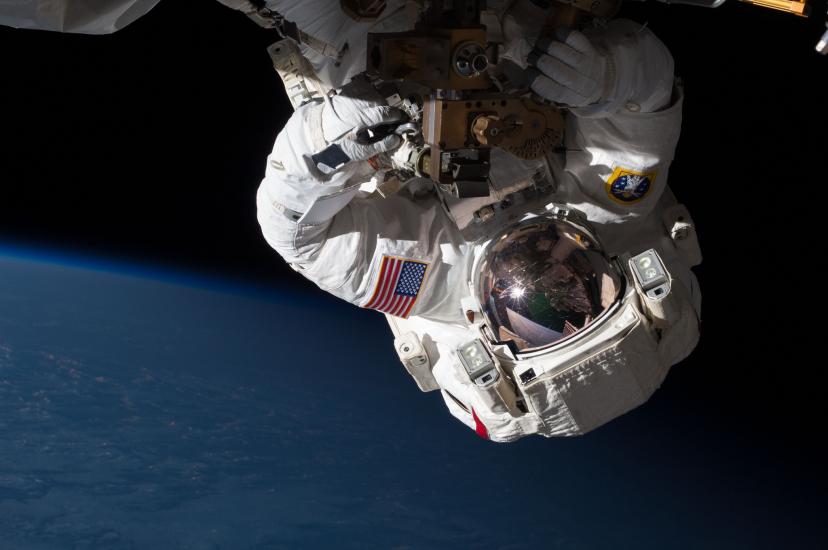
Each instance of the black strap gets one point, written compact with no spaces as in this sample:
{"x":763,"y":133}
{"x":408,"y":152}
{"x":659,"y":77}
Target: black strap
{"x":330,"y":159}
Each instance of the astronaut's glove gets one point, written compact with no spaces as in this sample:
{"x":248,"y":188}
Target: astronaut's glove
{"x":294,"y":179}
{"x":570,"y":70}
{"x":356,"y":125}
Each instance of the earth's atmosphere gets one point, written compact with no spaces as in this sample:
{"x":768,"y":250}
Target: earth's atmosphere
{"x":138,"y":413}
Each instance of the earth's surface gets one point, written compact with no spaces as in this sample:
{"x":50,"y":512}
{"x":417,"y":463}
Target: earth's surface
{"x":138,"y":413}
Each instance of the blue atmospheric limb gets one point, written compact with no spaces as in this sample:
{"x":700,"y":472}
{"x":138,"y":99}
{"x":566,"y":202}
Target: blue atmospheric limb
{"x":141,"y":413}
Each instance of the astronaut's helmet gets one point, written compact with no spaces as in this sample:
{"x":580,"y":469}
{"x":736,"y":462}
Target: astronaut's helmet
{"x":543,"y":280}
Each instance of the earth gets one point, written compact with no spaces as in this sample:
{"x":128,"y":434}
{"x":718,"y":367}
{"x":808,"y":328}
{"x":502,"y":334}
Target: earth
{"x":143,"y":410}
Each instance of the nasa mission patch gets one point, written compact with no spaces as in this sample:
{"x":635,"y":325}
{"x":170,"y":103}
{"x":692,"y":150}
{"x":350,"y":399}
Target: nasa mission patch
{"x":627,"y":186}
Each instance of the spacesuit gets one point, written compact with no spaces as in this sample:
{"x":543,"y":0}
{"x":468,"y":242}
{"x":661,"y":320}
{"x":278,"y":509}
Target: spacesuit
{"x":534,"y":319}
{"x":553,"y":305}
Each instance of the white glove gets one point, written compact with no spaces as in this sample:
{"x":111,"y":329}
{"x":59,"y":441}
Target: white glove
{"x":295,"y":178}
{"x":569,"y":70}
{"x":358,"y":106}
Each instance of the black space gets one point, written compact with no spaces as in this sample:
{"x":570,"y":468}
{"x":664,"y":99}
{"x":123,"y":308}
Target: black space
{"x":149,"y":145}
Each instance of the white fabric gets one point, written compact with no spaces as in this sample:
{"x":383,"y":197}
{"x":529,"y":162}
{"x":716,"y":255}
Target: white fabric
{"x":573,"y":72}
{"x":598,"y":146}
{"x":75,"y":16}
{"x":325,"y":21}
{"x":642,"y":68}
{"x":296,"y":182}
{"x":358,"y":106}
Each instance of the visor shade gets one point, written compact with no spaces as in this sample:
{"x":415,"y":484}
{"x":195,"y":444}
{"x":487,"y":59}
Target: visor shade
{"x":543,"y":281}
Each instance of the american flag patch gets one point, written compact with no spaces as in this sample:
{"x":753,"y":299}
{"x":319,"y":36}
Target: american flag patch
{"x":398,"y":286}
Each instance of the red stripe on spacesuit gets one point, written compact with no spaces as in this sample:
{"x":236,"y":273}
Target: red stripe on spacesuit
{"x":392,"y":305}
{"x":383,"y":266}
{"x":390,"y":284}
{"x":398,"y":305}
{"x":407,"y":309}
{"x":386,"y":286}
{"x":479,"y":428}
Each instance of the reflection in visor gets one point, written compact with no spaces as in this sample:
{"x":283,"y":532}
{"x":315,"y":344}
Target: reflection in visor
{"x":542,"y":282}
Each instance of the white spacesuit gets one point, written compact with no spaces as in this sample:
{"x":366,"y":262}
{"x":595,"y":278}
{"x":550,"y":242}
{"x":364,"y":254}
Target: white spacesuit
{"x":76,"y":16}
{"x":522,"y":321}
{"x":553,"y":305}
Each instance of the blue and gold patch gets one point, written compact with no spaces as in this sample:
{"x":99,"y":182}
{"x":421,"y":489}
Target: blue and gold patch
{"x":627,"y":186}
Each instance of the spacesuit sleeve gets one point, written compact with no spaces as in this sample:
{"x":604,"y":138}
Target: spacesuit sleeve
{"x":74,"y":16}
{"x":640,"y":65}
{"x":399,"y":255}
{"x":618,"y":152}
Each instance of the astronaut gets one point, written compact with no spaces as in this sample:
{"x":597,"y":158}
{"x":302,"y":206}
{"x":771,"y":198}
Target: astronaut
{"x":562,"y":309}
{"x":553,"y":305}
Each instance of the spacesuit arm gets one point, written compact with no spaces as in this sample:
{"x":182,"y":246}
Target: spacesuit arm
{"x":641,"y":69}
{"x":74,"y":16}
{"x":297,"y":203}
{"x":619,"y":147}
{"x":338,"y":236}
{"x":622,"y":66}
